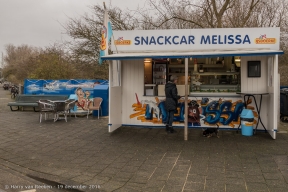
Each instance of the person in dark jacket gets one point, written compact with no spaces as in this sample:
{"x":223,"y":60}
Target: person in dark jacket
{"x":171,"y":102}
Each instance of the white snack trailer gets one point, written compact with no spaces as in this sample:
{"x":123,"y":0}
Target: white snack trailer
{"x":216,"y":68}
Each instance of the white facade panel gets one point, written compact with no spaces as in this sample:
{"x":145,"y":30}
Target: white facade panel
{"x":254,"y":84}
{"x":268,"y":82}
{"x":115,"y":108}
{"x":115,"y":97}
{"x":276,"y":100}
{"x":133,"y":83}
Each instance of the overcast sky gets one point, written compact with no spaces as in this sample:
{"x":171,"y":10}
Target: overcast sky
{"x":38,"y":22}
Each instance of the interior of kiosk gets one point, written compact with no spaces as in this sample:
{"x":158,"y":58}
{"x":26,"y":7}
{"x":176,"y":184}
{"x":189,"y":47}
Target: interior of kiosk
{"x":211,"y":77}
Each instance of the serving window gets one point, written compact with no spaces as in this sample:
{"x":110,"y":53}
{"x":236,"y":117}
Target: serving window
{"x":217,"y":74}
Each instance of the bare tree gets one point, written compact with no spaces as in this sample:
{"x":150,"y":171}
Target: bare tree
{"x":17,"y":62}
{"x":86,"y":31}
{"x":209,"y":13}
{"x":86,"y":34}
{"x":52,"y":63}
{"x":258,"y":13}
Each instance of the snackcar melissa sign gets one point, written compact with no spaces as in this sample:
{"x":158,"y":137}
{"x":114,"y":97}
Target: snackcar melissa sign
{"x":196,"y":39}
{"x":213,"y":39}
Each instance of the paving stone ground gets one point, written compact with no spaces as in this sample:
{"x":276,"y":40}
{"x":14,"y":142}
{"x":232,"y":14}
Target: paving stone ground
{"x":81,"y":154}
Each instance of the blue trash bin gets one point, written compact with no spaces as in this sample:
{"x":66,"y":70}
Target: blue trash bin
{"x":247,"y":120}
{"x":103,"y":92}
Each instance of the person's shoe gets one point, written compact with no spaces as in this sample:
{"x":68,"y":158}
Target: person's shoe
{"x":167,"y":128}
{"x":171,"y":130}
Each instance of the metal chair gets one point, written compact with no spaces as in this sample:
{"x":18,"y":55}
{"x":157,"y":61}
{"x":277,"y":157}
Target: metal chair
{"x":96,"y":106}
{"x":70,"y":104}
{"x":60,"y":109}
{"x":46,"y":107}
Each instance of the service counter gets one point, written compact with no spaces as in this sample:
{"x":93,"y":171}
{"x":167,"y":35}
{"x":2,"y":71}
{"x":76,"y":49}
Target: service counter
{"x":204,"y":90}
{"x":221,"y":89}
{"x":180,"y":89}
{"x":213,"y":94}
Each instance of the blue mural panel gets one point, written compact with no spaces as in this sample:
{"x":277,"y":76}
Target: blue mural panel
{"x":33,"y":86}
{"x":59,"y":87}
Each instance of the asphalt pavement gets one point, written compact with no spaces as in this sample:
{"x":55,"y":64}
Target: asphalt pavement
{"x":80,"y":155}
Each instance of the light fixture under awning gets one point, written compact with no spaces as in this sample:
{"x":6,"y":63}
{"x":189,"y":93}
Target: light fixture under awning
{"x":194,"y":54}
{"x":147,"y":60}
{"x":237,"y":60}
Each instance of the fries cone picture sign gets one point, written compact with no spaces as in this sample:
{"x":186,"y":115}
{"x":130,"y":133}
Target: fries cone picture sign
{"x":106,"y":34}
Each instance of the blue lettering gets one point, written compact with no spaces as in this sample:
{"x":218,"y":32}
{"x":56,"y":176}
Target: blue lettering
{"x":238,"y":110}
{"x":191,"y":39}
{"x":246,"y":39}
{"x":213,"y":114}
{"x":152,"y":40}
{"x":176,"y":43}
{"x":219,"y":39}
{"x":230,"y":37}
{"x":158,"y":40}
{"x":225,"y":109}
{"x":203,"y":41}
{"x":214,"y":39}
{"x":167,"y":40}
{"x":183,"y":40}
{"x":238,"y":37}
{"x":144,"y":40}
{"x":137,"y":42}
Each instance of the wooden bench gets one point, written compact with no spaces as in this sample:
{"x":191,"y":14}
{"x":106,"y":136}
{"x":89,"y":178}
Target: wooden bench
{"x":31,"y":100}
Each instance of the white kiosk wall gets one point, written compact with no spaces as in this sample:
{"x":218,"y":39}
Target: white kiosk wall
{"x":274,"y":92}
{"x":258,"y":84}
{"x":273,"y":87}
{"x":133,"y":82}
{"x":266,"y":83}
{"x":115,"y":95}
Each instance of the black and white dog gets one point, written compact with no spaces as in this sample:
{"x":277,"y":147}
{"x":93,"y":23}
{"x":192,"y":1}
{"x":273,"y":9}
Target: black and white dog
{"x":209,"y":132}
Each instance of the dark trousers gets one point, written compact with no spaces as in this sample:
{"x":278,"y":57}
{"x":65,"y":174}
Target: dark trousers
{"x":170,"y":117}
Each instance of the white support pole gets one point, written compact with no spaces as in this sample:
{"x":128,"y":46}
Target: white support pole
{"x":276,"y":92}
{"x":186,"y":102}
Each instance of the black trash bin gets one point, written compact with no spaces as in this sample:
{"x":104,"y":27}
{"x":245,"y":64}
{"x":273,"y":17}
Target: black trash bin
{"x":284,"y":102}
